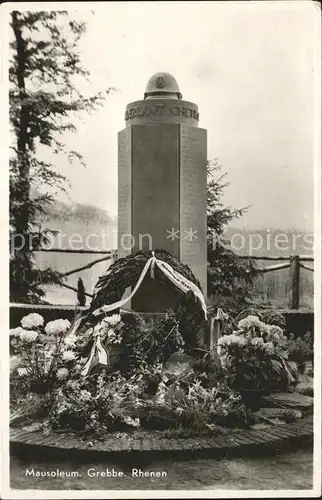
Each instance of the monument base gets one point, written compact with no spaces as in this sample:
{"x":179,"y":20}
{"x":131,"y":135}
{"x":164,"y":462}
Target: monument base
{"x":154,"y":297}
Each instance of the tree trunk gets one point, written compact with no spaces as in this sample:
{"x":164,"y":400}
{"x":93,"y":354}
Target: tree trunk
{"x":21,"y":255}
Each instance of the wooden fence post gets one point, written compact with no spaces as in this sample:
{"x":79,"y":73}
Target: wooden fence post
{"x":216,"y":327}
{"x":113,"y":256}
{"x":294,"y":282}
{"x":81,"y":292}
{"x":211,"y":339}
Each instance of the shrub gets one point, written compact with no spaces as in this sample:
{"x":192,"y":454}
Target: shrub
{"x":300,"y":349}
{"x":209,"y":368}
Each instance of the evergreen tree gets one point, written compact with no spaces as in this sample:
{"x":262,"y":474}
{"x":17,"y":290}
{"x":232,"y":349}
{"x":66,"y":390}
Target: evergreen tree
{"x":43,"y":99}
{"x":230,"y":278}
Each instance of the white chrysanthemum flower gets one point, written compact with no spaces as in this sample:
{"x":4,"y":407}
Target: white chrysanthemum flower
{"x":111,"y":334}
{"x":28,"y":336}
{"x":70,"y":340}
{"x":263,"y":328}
{"x":257,"y":341}
{"x":62,"y":373}
{"x":134,"y":422}
{"x":73,"y":384}
{"x":22,"y":372}
{"x":276,"y":329}
{"x":85,"y":395}
{"x":15,"y":361}
{"x":276,"y":338}
{"x":32,"y":320}
{"x":251,"y":321}
{"x":220,"y":341}
{"x":241,"y":341}
{"x":224,"y":340}
{"x":68,"y":356}
{"x":47,"y":366}
{"x":16,"y":332}
{"x":112,"y":320}
{"x":269,"y":348}
{"x":275,"y":333}
{"x":238,"y":332}
{"x":234,"y":339}
{"x":248,"y":322}
{"x":57,"y":326}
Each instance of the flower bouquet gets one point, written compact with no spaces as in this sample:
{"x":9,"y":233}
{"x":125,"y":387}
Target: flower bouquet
{"x":255,"y":358}
{"x":102,"y":344}
{"x":43,"y":354}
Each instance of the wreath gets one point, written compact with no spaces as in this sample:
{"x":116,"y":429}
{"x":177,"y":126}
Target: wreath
{"x":188,"y":313}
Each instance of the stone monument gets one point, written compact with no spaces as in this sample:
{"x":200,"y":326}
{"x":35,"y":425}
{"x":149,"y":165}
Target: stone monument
{"x":162,"y":185}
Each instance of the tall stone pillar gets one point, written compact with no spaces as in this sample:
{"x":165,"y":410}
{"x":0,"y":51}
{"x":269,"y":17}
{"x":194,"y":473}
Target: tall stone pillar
{"x":162,"y":193}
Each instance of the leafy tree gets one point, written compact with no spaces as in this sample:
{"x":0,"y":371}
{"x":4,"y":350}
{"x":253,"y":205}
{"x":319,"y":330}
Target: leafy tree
{"x":230,"y":278}
{"x":44,"y":70}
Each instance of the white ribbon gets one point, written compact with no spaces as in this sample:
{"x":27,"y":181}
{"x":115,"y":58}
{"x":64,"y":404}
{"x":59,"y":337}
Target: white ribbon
{"x":182,"y":283}
{"x":103,"y":357}
{"x":74,"y":327}
{"x":120,"y":303}
{"x":176,"y":278}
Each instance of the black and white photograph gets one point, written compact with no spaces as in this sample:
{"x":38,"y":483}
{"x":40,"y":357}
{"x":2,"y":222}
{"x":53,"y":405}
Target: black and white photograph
{"x":161,"y":284}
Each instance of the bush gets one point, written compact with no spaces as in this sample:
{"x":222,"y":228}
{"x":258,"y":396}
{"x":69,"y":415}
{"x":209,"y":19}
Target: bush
{"x":209,"y":368}
{"x":300,"y":349}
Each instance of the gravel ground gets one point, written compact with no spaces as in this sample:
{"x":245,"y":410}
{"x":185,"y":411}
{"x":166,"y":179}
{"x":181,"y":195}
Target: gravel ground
{"x":286,"y":471}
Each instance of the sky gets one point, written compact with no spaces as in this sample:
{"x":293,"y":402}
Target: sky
{"x":249,"y":66}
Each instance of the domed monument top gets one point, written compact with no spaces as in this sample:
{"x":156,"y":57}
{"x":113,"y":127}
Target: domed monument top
{"x":162,"y":85}
{"x":162,"y":103}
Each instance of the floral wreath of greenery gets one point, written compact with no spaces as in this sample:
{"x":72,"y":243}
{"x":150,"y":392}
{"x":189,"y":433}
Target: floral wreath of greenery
{"x":181,"y":327}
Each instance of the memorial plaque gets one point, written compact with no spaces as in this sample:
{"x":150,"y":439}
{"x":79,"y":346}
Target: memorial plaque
{"x":155,"y":186}
{"x":124,"y":192}
{"x":124,"y":198}
{"x":193,"y":201}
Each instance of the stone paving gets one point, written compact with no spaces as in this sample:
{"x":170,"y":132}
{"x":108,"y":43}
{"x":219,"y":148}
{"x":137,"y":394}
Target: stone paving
{"x":236,"y":443}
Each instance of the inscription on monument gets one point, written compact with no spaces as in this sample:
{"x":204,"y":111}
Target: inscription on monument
{"x":193,"y":196}
{"x":124,"y":191}
{"x":158,"y":110}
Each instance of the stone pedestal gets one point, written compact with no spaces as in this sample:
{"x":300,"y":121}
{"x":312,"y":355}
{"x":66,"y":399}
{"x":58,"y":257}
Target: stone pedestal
{"x":163,"y":190}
